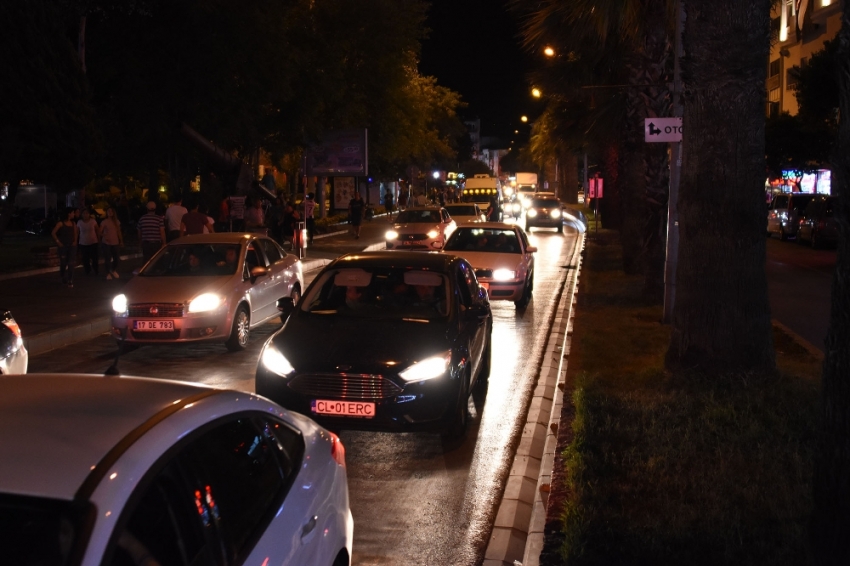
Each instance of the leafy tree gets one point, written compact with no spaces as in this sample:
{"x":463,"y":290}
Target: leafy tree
{"x":721,"y":317}
{"x":793,"y":143}
{"x":829,"y":544}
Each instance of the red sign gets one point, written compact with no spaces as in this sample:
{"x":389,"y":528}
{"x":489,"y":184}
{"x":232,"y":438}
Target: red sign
{"x":594,"y":188}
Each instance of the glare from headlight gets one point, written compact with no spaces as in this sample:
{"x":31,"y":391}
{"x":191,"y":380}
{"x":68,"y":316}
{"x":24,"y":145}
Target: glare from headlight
{"x":532,"y":212}
{"x":205,"y":302}
{"x":526,"y":202}
{"x":570,"y":217}
{"x":504,"y":275}
{"x":391,"y":235}
{"x":276,"y":362}
{"x":556,"y":213}
{"x":517,"y":207}
{"x":433,"y":234}
{"x":119,"y":304}
{"x":429,"y":368}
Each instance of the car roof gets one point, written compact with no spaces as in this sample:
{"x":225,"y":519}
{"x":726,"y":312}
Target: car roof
{"x":433,"y":261}
{"x":216,"y":238}
{"x":433,"y":207}
{"x":56,"y":428}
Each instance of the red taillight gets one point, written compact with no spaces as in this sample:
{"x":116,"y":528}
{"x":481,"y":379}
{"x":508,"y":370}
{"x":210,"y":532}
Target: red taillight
{"x":337,"y":450}
{"x":13,"y":326}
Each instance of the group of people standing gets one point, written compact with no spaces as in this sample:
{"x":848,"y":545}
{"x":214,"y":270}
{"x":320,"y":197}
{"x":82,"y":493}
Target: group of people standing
{"x":79,"y":230}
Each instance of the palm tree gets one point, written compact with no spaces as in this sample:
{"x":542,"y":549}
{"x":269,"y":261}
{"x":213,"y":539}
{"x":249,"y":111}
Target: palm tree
{"x":831,"y":519}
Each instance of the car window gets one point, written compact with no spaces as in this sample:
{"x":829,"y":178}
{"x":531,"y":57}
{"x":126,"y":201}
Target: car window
{"x":492,"y":240}
{"x":465,"y":277}
{"x":413,"y":216}
{"x":799,"y":202}
{"x":253,"y":258}
{"x":237,"y":479}
{"x":39,"y":531}
{"x":272,"y":250}
{"x":189,"y":260}
{"x":545,"y":203}
{"x":780,"y":201}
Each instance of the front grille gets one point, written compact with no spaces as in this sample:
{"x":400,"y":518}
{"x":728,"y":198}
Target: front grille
{"x":484,"y":273}
{"x":342,"y":386}
{"x":162,"y":310}
{"x":148,"y":335}
{"x":412,"y":237}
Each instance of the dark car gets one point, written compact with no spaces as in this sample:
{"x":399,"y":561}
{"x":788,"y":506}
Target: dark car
{"x":544,"y":212}
{"x":391,"y":341}
{"x":784,"y":213}
{"x":13,"y":354}
{"x":818,"y":226}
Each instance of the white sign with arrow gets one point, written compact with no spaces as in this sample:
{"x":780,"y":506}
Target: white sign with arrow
{"x":662,"y":129}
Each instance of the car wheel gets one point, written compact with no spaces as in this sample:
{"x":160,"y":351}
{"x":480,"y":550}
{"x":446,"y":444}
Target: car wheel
{"x":240,"y":331}
{"x":526,"y":295}
{"x":460,"y":420}
{"x":527,"y":228}
{"x":560,"y":229}
{"x":484,"y":373}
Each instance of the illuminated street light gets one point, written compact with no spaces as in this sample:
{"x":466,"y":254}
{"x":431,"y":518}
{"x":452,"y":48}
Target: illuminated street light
{"x":549,"y":52}
{"x":436,"y":174}
{"x":516,"y":131}
{"x":535,"y":92}
{"x":524,"y":119}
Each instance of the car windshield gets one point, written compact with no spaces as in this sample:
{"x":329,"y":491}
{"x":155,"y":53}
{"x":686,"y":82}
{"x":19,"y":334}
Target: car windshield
{"x":194,"y":260}
{"x":461,"y":210}
{"x":411,"y":215}
{"x":386,"y":293}
{"x":545,"y":203}
{"x":39,"y":532}
{"x":483,"y":240}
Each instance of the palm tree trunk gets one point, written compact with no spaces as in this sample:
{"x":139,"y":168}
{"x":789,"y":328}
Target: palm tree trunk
{"x":830,"y":524}
{"x":721,"y":319}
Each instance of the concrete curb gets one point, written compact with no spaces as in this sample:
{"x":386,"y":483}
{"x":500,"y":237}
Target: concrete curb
{"x":47,"y":341}
{"x":517,"y":536}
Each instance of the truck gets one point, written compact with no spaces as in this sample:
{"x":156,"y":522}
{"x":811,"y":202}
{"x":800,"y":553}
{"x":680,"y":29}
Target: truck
{"x":482,"y":189}
{"x":526,"y":186}
{"x":527,"y":180}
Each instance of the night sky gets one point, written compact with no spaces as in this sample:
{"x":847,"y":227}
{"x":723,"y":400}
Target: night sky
{"x":474,"y":50}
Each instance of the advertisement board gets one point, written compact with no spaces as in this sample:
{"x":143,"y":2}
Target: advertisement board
{"x":342,"y":153}
{"x":343,"y":192}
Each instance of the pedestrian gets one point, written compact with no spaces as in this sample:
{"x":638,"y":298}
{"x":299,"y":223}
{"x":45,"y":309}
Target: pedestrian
{"x":173,"y":218}
{"x":237,"y":213}
{"x":113,"y":240}
{"x":268,"y":181}
{"x":88,"y":240}
{"x":309,"y":220}
{"x":356,"y":207}
{"x":288,"y":225}
{"x":296,"y":228}
{"x":205,"y":210}
{"x":151,"y":227}
{"x":224,"y":215}
{"x":65,"y":235}
{"x":388,"y":204}
{"x":274,"y":220}
{"x":195,"y":221}
{"x":255,"y":219}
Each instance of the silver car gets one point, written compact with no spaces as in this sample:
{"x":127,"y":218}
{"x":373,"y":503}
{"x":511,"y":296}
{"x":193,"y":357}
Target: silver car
{"x":206,"y":287}
{"x":420,"y":228}
{"x":13,"y":355}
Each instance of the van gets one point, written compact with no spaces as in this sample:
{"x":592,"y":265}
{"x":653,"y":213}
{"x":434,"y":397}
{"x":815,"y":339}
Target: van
{"x":483,"y":189}
{"x":785,"y":212}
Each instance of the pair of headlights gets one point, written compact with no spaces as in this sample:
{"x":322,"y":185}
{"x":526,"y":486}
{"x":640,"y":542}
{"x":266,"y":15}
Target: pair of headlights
{"x":393,"y":235}
{"x":429,"y":368}
{"x":554,"y":213}
{"x":202,"y":303}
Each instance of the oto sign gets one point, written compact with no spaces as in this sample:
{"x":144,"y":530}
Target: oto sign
{"x":662,"y":129}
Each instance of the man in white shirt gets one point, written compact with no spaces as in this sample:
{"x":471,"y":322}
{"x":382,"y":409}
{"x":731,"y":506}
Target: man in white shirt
{"x":173,"y":218}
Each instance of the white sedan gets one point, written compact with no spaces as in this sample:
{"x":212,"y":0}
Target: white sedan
{"x":112,"y":470}
{"x":465,"y":212}
{"x":207,"y":287}
{"x":501,"y":256}
{"x":420,"y":228}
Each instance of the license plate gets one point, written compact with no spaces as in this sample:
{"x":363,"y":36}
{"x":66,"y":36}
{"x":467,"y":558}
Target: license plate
{"x":343,"y":408}
{"x":153,"y":325}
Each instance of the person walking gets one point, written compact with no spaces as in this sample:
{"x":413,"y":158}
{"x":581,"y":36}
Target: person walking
{"x":388,"y":204}
{"x":356,"y":207}
{"x":274,"y":219}
{"x":173,"y":218}
{"x":195,"y":221}
{"x":151,"y":227}
{"x":88,"y":240}
{"x":65,"y":236}
{"x":255,"y":218}
{"x":309,"y":220}
{"x":113,"y":240}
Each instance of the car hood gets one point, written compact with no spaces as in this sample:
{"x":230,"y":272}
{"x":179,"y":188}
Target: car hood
{"x":489,"y":260}
{"x":416,"y":227}
{"x":330,"y":344}
{"x":142,"y":289}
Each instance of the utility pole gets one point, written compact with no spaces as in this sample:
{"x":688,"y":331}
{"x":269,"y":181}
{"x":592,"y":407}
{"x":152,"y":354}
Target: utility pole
{"x":672,"y":261}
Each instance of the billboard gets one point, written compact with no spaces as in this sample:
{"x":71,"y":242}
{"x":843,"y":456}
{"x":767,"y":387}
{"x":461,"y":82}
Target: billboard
{"x":342,"y":153}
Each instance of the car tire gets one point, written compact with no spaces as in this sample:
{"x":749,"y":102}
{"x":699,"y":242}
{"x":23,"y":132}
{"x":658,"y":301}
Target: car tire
{"x":240,"y":331}
{"x":484,"y":372}
{"x":527,"y":291}
{"x":460,"y":419}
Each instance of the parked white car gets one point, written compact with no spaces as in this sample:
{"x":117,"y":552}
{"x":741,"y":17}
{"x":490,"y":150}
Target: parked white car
{"x":501,"y":256}
{"x":207,"y":287}
{"x":111,"y":471}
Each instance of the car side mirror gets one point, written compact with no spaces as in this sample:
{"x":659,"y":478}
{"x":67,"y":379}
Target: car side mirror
{"x":531,"y":249}
{"x":286,"y":306}
{"x":258,"y":271}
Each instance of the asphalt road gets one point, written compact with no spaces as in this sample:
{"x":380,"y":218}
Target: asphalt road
{"x":414,"y":500}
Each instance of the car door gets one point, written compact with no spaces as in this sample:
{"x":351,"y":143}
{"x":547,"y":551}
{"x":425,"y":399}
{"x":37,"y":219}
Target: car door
{"x":776,"y":213}
{"x":260,"y":289}
{"x":282,"y":278}
{"x":447,"y":225}
{"x":472,"y":300}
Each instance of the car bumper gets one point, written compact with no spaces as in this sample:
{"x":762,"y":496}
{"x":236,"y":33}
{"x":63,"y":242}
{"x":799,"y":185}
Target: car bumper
{"x":415,"y":245}
{"x":544,"y":222}
{"x":503,"y":290}
{"x":427,"y":406}
{"x":215,"y":327}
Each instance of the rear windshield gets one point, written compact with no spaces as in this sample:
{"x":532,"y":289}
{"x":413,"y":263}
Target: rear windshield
{"x":40,"y":532}
{"x":483,"y":240}
{"x":461,"y":210}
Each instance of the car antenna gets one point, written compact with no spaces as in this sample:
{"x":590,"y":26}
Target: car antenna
{"x":113,"y":369}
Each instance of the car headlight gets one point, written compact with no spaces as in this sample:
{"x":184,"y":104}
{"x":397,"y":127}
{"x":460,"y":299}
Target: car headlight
{"x":119,"y":304}
{"x":532,"y":212}
{"x":391,"y":235}
{"x":275,"y":362}
{"x":205,"y":302}
{"x":517,"y":207}
{"x":504,"y":275}
{"x":526,"y":202}
{"x":429,"y":368}
{"x":555,"y":213}
{"x":433,"y":234}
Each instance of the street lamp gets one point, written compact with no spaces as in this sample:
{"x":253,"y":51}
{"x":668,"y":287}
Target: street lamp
{"x":535,"y":92}
{"x":524,"y":119}
{"x":549,"y":52}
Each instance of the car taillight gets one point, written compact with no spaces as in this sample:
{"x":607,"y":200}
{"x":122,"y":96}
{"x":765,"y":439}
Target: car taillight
{"x":13,"y":326}
{"x":337,"y":450}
